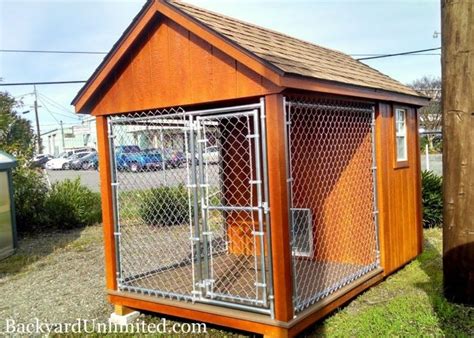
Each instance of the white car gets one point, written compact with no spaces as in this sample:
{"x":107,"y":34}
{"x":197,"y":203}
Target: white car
{"x":63,"y":161}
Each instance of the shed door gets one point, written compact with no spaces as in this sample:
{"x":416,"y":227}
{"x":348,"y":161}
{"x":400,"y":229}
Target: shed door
{"x":232,"y":208}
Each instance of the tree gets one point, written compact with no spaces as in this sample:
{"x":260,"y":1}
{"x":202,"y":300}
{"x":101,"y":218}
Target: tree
{"x":16,"y":132}
{"x":430,"y":115}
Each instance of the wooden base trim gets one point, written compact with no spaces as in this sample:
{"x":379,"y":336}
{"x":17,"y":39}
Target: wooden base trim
{"x":243,"y":320}
{"x":177,"y":306}
{"x":198,"y":314}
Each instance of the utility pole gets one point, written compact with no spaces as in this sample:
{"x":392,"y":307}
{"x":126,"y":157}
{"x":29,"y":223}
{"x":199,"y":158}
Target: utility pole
{"x":458,"y":149}
{"x":38,"y":133}
{"x":62,"y":134}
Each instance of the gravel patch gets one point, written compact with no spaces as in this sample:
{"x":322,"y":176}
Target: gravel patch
{"x":55,"y":277}
{"x":58,"y":278}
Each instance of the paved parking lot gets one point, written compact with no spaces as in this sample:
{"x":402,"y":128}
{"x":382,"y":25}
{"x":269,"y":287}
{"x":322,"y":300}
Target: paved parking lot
{"x":89,"y":178}
{"x":132,"y":181}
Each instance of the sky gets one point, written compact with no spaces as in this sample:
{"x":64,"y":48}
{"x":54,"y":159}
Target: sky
{"x":351,"y":26}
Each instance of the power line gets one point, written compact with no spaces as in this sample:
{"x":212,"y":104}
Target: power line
{"x":40,"y":83}
{"x":398,"y":54}
{"x":414,"y":52}
{"x":49,"y":111}
{"x":50,"y":51}
{"x":422,"y":54}
{"x":58,"y":105}
{"x":103,"y":53}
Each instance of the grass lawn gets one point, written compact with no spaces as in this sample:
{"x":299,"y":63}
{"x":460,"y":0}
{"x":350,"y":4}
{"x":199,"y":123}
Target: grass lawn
{"x":409,"y":303}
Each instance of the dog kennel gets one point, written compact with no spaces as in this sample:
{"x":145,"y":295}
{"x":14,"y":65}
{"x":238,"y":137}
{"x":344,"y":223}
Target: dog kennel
{"x":240,"y":186}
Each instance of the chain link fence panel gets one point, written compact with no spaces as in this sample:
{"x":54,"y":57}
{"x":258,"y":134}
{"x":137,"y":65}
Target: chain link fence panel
{"x":189,"y":206}
{"x":332,"y":195}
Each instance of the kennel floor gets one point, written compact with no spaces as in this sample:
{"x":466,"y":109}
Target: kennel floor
{"x":236,"y":275}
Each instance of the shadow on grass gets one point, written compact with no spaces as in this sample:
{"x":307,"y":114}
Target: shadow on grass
{"x":453,"y":319}
{"x":33,"y":248}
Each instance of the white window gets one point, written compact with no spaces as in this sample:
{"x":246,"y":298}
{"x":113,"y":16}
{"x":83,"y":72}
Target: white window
{"x":401,"y":134}
{"x":302,"y":232}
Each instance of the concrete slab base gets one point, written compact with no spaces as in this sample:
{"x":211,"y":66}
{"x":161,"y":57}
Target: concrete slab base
{"x":123,"y":319}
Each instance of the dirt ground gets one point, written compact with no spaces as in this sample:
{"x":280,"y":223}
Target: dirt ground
{"x":59,"y":278}
{"x":55,"y":277}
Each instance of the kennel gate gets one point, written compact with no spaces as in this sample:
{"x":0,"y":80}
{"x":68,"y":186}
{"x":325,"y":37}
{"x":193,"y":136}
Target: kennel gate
{"x":215,"y":248}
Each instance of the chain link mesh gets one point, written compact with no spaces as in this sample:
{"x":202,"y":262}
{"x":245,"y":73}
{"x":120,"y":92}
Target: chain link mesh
{"x":188,"y":205}
{"x":331,"y":196}
{"x":229,"y":151}
{"x":149,"y":153}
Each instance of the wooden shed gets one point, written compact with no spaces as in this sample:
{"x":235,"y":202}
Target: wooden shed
{"x":249,"y":179}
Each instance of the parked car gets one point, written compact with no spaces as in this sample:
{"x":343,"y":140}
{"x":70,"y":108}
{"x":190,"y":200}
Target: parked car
{"x":89,"y":161}
{"x":175,"y":159}
{"x":153,"y":159}
{"x":63,"y":161}
{"x":130,"y":158}
{"x":40,"y":160}
{"x":70,"y":151}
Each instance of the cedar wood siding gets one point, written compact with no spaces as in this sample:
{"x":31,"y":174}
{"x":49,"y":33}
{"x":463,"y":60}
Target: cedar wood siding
{"x":171,"y":66}
{"x":399,"y":190}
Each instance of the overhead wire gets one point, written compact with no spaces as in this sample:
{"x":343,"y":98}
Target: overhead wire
{"x":58,"y":105}
{"x":51,"y":51}
{"x":374,"y":56}
{"x":31,"y":83}
{"x":413,"y":52}
{"x":49,"y":111}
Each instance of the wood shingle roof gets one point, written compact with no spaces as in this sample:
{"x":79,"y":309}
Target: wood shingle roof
{"x":293,"y":56}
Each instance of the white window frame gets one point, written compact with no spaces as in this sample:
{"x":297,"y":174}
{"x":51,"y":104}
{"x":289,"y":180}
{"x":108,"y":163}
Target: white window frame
{"x":401,"y":132}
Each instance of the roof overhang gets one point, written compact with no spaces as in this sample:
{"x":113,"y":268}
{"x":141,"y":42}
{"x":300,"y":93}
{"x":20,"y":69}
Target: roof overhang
{"x":330,"y":87}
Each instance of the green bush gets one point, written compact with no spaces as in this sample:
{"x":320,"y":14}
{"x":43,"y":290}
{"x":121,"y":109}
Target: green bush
{"x":432,"y":197}
{"x":165,"y":206}
{"x":70,"y":205}
{"x":30,"y":195}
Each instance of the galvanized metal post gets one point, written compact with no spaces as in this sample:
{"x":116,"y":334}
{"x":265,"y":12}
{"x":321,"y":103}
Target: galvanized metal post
{"x":261,"y":207}
{"x":115,"y":204}
{"x":289,"y":180}
{"x":263,"y":141}
{"x":374,"y":184}
{"x":206,"y":234}
{"x":197,"y":235}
